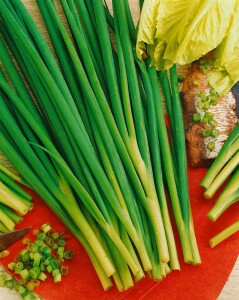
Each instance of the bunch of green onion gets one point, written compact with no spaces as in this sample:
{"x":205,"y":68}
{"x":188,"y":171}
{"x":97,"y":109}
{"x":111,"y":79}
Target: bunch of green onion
{"x":15,"y":202}
{"x":90,"y":136}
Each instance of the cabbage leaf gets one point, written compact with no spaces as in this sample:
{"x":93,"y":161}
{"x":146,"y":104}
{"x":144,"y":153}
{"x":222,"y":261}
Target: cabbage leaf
{"x":182,"y":31}
{"x":226,"y":71}
{"x":147,"y":26}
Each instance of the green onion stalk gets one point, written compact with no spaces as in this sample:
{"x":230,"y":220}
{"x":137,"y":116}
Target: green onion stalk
{"x":150,"y":81}
{"x":176,"y":168}
{"x":16,"y":218}
{"x":224,"y":234}
{"x":228,"y":196}
{"x":122,"y":276}
{"x":185,"y":202}
{"x":12,"y":200}
{"x":11,"y":175}
{"x":14,"y":186}
{"x":180,"y":145}
{"x":158,"y":179}
{"x":3,"y":228}
{"x":141,"y":145}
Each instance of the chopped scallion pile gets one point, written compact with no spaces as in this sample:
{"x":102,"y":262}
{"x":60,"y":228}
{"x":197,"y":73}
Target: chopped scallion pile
{"x":35,"y":261}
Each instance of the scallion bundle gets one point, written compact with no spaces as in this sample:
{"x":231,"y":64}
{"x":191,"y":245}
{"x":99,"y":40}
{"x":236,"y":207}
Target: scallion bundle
{"x":90,"y":137}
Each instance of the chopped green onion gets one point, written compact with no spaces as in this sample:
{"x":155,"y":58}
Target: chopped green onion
{"x":46,"y":228}
{"x":49,"y":268}
{"x":202,"y":94}
{"x":68,"y":254}
{"x":21,"y":290}
{"x":60,"y":249}
{"x":4,"y":253}
{"x":55,"y":246}
{"x":55,"y":235}
{"x":61,"y":243}
{"x":19,"y":267}
{"x":42,"y":267}
{"x":30,"y":286}
{"x":200,"y":104}
{"x":46,"y":251}
{"x":206,"y":105}
{"x":34,"y":248}
{"x":195,"y":83}
{"x":55,"y":272}
{"x":213,"y":123}
{"x":25,"y":256}
{"x":53,"y":263}
{"x":211,"y":146}
{"x":213,"y":92}
{"x":24,"y":274}
{"x":34,"y":272}
{"x":209,"y":115}
{"x":36,"y":231}
{"x":39,"y":243}
{"x":11,"y":266}
{"x":196,"y":117}
{"x":26,"y":241}
{"x":214,"y":132}
{"x":64,"y":270}
{"x":36,"y":282}
{"x":206,"y":132}
{"x":57,"y":278}
{"x":204,"y":99}
{"x":9,"y":284}
{"x":36,"y":259}
{"x":49,"y":241}
{"x":213,"y":100}
{"x":204,"y":120}
{"x":41,"y":236}
{"x":2,"y":281}
{"x":8,"y":277}
{"x":42,"y":276}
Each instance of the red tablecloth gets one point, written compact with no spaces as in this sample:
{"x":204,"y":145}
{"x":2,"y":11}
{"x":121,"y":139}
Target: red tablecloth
{"x":191,"y":282}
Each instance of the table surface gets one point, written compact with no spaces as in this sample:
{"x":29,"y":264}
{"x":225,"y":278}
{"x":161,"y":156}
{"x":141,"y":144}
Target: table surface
{"x":231,"y":288}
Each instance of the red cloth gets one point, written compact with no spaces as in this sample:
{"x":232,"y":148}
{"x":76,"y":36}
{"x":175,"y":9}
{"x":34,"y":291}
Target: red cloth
{"x":191,"y":282}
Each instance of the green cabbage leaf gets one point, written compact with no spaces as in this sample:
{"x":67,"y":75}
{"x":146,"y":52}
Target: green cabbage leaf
{"x":226,"y":71}
{"x":182,"y":31}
